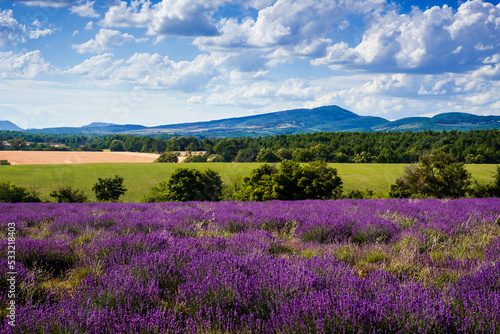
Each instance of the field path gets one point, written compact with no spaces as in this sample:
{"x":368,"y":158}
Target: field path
{"x":73,"y":157}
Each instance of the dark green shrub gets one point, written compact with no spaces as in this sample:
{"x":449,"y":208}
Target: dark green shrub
{"x":188,"y":184}
{"x":291,"y":181}
{"x":12,"y":193}
{"x":68,"y":195}
{"x":438,"y":175}
{"x":109,"y":189}
{"x":167,"y":157}
{"x":195,"y":158}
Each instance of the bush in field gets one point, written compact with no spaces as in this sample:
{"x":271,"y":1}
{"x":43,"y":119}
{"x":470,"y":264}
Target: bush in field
{"x":12,"y":193}
{"x":68,"y":195}
{"x":291,"y":181}
{"x":4,"y":162}
{"x":167,"y":157}
{"x":109,"y":189}
{"x":438,"y":175}
{"x":195,"y":158}
{"x":188,"y":184}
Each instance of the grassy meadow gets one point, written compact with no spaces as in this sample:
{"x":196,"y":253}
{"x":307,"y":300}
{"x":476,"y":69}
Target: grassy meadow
{"x":140,"y":177}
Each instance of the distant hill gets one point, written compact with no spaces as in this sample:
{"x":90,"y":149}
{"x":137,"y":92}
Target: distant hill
{"x":92,"y":128}
{"x":9,"y":126}
{"x":328,"y":118}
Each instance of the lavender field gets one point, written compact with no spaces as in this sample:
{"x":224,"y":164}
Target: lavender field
{"x":347,"y":266}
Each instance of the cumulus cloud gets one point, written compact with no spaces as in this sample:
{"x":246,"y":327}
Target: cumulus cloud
{"x":26,"y":65}
{"x":104,"y":40}
{"x":150,"y":70}
{"x":168,"y":17}
{"x":10,"y":30}
{"x":85,"y":10}
{"x":433,"y":41}
{"x":288,"y":23}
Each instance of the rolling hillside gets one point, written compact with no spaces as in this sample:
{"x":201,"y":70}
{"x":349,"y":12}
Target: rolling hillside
{"x":328,"y":118}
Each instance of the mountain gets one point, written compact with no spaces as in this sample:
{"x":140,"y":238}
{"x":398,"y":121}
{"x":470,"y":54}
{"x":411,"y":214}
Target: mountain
{"x":9,"y":126}
{"x":92,"y":128}
{"x":328,"y":118}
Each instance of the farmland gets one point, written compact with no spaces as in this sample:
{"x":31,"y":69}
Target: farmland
{"x":140,"y":177}
{"x":364,"y":266}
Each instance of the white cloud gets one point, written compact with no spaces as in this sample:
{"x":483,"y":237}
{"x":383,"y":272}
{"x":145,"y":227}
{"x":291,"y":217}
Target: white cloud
{"x":150,"y":70}
{"x":85,"y":10}
{"x":264,"y":93}
{"x":168,"y":17}
{"x":89,"y":25}
{"x":48,"y":3}
{"x":10,"y":30}
{"x":34,"y":34}
{"x":22,"y":65}
{"x":434,"y":41}
{"x":104,"y":40}
{"x":287,"y":22}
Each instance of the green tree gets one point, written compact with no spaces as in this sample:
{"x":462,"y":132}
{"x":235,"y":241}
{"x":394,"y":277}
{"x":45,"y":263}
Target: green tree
{"x":318,"y":181}
{"x":68,"y":195}
{"x":191,"y":148}
{"x":188,"y":184}
{"x":109,"y":189}
{"x":12,"y":193}
{"x":323,"y":152}
{"x":159,"y":145}
{"x":133,"y":144}
{"x":291,"y":181}
{"x":245,"y":155}
{"x":303,"y":155}
{"x":258,"y":186}
{"x":116,"y":146}
{"x":17,"y":143}
{"x":284,"y":154}
{"x":437,"y":175}
{"x":267,"y":155}
{"x":167,"y":157}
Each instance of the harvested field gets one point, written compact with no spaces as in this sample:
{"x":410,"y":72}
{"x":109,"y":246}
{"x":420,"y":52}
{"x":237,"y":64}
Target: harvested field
{"x":73,"y":157}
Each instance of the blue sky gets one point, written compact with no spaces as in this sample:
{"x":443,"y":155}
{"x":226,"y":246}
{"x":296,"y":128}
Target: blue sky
{"x":72,"y":62}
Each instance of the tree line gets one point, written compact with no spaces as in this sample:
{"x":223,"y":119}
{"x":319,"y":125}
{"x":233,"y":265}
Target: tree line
{"x":437,"y":175}
{"x":477,"y":146}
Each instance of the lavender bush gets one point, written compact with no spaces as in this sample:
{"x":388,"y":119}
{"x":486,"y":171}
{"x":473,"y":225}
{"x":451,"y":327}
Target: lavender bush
{"x":364,"y":266}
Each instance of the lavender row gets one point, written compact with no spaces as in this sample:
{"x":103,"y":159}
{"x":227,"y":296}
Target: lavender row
{"x":272,"y":267}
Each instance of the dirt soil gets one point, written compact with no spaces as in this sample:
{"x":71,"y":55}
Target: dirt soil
{"x":73,"y":157}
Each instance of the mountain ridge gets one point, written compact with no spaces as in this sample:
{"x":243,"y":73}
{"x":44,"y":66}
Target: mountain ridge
{"x":294,"y":121}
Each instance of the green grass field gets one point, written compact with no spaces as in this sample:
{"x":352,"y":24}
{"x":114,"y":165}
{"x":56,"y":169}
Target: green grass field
{"x":140,"y":177}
